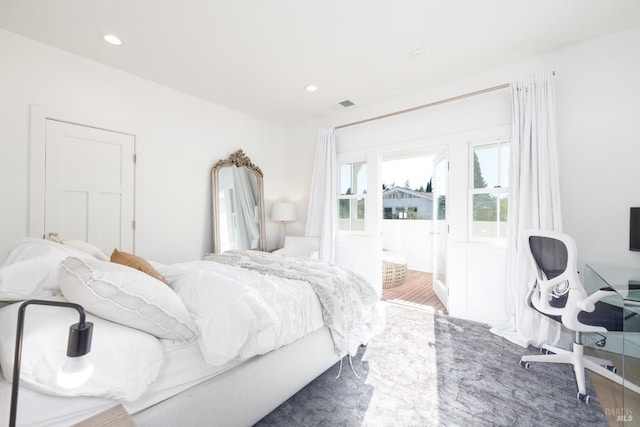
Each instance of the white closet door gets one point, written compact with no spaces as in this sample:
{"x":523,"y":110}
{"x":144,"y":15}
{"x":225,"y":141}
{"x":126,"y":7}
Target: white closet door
{"x":89,"y":185}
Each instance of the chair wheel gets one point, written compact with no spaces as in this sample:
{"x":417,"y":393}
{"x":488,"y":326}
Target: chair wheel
{"x":524,"y":364}
{"x":612,"y":368}
{"x":585,"y":398}
{"x":545,"y":351}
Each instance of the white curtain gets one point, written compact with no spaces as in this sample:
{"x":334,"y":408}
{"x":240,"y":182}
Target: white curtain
{"x":534,"y":202}
{"x":248,"y":231}
{"x":322,"y":216}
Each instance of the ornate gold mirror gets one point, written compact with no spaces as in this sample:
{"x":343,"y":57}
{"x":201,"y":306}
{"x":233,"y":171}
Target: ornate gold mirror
{"x":237,"y":204}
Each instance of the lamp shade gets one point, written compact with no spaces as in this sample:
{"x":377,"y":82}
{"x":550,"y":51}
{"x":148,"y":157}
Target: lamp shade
{"x":283,"y":212}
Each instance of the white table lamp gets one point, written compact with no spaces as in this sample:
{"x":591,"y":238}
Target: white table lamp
{"x":283,"y":212}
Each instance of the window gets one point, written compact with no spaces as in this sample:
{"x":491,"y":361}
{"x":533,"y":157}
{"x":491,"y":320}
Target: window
{"x":489,"y":190}
{"x":353,"y":188}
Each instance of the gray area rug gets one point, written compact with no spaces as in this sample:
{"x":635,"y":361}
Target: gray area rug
{"x":435,"y":370}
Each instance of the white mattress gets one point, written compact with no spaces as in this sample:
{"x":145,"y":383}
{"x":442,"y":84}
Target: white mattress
{"x":184,"y":368}
{"x":242,"y":396}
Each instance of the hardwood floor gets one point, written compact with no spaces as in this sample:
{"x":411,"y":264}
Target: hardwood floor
{"x":621,"y":407}
{"x":416,"y":290}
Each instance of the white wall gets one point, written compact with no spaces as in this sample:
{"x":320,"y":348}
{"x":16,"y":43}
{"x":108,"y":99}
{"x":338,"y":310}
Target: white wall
{"x":411,"y":238}
{"x":599,"y":140}
{"x":180,"y":138}
{"x":598,"y":95}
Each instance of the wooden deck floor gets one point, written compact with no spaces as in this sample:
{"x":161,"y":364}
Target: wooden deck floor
{"x":416,"y":290}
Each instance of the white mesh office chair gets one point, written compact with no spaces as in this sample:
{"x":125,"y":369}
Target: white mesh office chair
{"x":559,"y":294}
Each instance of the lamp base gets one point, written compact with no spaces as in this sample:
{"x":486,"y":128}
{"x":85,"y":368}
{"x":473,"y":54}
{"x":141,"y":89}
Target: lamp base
{"x":283,"y":226}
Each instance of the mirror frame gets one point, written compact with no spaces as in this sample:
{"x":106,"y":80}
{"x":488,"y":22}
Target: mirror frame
{"x":238,"y":159}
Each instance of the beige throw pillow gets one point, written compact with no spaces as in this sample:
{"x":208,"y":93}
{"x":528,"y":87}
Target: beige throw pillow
{"x":136,"y":262}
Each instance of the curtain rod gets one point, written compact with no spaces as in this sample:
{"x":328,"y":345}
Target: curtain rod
{"x":431,"y":104}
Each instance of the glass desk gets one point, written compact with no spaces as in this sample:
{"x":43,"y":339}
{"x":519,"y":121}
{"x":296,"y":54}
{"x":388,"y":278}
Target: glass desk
{"x":626,"y":282}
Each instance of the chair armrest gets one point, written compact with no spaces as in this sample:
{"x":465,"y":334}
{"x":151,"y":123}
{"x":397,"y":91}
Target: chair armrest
{"x":588,"y":304}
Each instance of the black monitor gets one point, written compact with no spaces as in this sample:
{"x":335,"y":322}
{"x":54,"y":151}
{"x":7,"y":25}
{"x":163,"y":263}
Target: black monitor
{"x":634,"y":230}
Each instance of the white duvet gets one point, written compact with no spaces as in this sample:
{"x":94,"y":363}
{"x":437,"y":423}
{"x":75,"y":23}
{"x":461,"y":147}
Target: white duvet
{"x":242,"y":313}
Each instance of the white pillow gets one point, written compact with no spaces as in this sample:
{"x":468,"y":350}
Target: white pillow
{"x":125,"y":361}
{"x":87,"y":247}
{"x":31,"y":268}
{"x":127,"y":296}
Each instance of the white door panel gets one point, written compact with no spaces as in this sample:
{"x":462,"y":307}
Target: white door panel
{"x":440,"y":229}
{"x":486,"y":287}
{"x":89,"y":185}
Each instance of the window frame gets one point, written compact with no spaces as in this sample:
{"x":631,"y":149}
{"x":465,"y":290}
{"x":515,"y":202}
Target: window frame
{"x":499,"y":191}
{"x":352,"y":198}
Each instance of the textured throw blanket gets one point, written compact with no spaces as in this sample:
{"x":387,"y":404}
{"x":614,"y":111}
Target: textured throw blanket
{"x":348,"y":301}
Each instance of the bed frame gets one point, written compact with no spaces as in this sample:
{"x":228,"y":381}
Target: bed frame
{"x":241,"y":396}
{"x":245,"y":394}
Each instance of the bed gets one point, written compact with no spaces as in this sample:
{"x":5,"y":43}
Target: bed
{"x":223,"y":341}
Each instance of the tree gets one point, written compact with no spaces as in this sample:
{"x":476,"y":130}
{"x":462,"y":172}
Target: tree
{"x":344,"y":209}
{"x":430,"y":186}
{"x":442,"y":207}
{"x":478,"y":179}
{"x":485,"y":206}
{"x":406,"y":184}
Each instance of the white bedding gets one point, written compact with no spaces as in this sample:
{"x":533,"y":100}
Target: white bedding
{"x":348,"y":302}
{"x":241,"y":313}
{"x":31,"y":268}
{"x":40,"y":410}
{"x":183,"y":368}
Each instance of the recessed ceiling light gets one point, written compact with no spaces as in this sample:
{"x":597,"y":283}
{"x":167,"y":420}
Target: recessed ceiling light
{"x":419,"y":51}
{"x":311,"y":88}
{"x":111,"y":39}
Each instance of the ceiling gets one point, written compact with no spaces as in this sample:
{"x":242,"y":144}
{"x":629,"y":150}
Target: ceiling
{"x":256,"y":56}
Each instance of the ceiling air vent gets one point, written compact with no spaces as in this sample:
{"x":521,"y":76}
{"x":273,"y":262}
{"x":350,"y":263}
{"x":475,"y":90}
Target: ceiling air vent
{"x":346,"y":103}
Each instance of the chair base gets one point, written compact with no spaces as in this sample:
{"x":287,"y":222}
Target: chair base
{"x":580,"y":362}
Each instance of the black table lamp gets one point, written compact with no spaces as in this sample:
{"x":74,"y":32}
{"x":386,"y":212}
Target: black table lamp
{"x":77,"y":369}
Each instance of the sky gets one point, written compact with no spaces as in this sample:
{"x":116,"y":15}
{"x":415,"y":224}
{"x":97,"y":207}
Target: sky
{"x":417,"y":170}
